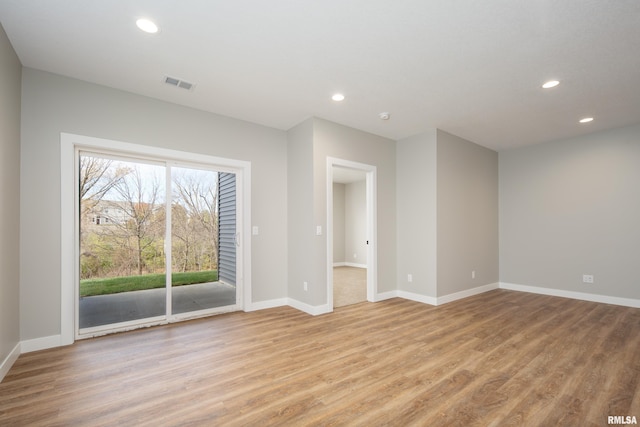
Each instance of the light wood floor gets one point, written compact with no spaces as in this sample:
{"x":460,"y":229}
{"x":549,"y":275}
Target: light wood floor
{"x":500,"y":358}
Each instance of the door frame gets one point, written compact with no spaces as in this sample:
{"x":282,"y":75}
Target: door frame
{"x":70,"y":145}
{"x":372,"y":226}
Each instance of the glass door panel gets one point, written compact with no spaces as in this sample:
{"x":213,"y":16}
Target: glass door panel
{"x":122,"y":229}
{"x":195,"y":283}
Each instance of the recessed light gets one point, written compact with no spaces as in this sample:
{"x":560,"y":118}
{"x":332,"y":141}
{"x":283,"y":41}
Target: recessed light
{"x":586,"y":120}
{"x":147,"y":26}
{"x":550,"y":84}
{"x":338,"y":97}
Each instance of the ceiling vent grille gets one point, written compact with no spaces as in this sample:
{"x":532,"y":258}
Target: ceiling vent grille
{"x":178,"y":83}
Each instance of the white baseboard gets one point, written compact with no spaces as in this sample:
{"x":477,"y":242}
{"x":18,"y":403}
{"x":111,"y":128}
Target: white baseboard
{"x":27,"y":346}
{"x":8,"y":361}
{"x":314,"y":310}
{"x":385,"y":295}
{"x":354,"y":264}
{"x":349,"y":264}
{"x":418,"y":297}
{"x":263,"y":305}
{"x":466,"y":293}
{"x":605,"y":299}
{"x":447,"y":298}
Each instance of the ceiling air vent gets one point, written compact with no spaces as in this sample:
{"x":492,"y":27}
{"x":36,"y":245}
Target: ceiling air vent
{"x":178,"y":83}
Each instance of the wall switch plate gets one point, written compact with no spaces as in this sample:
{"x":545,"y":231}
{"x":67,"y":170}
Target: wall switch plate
{"x":473,"y":274}
{"x":255,"y":230}
{"x":587,"y":278}
{"x":305,"y":286}
{"x":318,"y":230}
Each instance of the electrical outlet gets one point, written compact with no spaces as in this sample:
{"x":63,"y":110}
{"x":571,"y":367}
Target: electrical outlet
{"x":587,"y":278}
{"x":305,"y":286}
{"x":409,"y":278}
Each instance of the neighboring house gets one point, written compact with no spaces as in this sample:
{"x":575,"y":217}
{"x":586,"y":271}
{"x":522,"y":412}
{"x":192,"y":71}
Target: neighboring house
{"x":106,"y":212}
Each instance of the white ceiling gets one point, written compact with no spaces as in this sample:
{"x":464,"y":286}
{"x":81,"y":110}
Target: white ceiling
{"x":472,"y":68}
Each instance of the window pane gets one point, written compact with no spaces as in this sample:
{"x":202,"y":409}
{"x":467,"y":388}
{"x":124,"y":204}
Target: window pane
{"x":122,"y":227}
{"x":194,"y":241}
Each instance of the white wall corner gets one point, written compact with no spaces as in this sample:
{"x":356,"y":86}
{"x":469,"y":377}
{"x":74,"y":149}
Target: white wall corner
{"x":43,"y":343}
{"x":8,"y":361}
{"x":418,"y":297}
{"x":605,"y":299}
{"x":314,"y":310}
{"x":466,"y":293}
{"x":263,"y":305}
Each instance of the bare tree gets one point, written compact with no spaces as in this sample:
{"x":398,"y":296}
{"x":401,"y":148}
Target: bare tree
{"x":139,"y":202}
{"x":197,"y":194}
{"x":97,"y":178}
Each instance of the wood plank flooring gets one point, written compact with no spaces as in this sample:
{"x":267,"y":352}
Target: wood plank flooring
{"x":498,"y":359}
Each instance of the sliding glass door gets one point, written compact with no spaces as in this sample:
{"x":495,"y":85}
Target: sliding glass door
{"x":150,"y":237}
{"x":195,"y":235}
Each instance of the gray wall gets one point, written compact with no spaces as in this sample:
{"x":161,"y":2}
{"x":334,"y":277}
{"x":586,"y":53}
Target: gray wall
{"x":467,"y":211}
{"x":572,"y":207}
{"x":52,"y":104}
{"x":300,"y":207}
{"x":338,"y":223}
{"x":310,"y":143}
{"x":350,"y":223}
{"x":10,"y":77}
{"x":355,"y":214}
{"x":416,"y":209}
{"x":447,"y":214}
{"x":334,"y":140}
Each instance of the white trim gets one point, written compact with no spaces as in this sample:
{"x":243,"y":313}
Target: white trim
{"x":168,"y":237}
{"x":386,"y":295}
{"x":447,"y":298}
{"x":466,"y":293}
{"x":68,"y":246}
{"x":418,"y":297}
{"x":69,"y":145}
{"x":36,"y":344}
{"x":131,"y":325}
{"x":263,"y":305}
{"x":355,"y":265}
{"x":372,"y":227}
{"x":605,"y":299}
{"x":314,"y":310}
{"x":8,"y":361}
{"x":349,"y":264}
{"x":243,"y":222}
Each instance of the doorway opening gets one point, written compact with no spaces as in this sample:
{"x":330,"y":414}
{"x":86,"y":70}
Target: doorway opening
{"x":351,"y":230}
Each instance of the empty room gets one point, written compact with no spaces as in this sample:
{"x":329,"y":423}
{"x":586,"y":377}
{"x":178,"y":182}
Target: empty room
{"x":319,"y":213}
